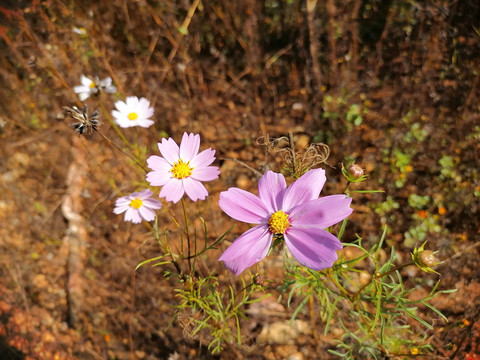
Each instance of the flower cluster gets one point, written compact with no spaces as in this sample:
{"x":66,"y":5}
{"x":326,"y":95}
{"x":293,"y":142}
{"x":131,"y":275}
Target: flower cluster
{"x":294,"y":214}
{"x":181,"y":170}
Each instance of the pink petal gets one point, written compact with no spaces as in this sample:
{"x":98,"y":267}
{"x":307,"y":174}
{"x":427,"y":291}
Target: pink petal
{"x":194,"y":189}
{"x":158,"y":178}
{"x":248,"y":249}
{"x":173,"y":190}
{"x":152,"y":204}
{"x":169,"y":150}
{"x":146,"y":213}
{"x":144,"y":194}
{"x":321,"y":213}
{"x":161,"y":173}
{"x":158,"y":163}
{"x":121,"y":208}
{"x":124,"y":200}
{"x":270,"y":187}
{"x":121,"y":205}
{"x":306,"y":188}
{"x":205,"y":158}
{"x":313,"y":248}
{"x":208,"y":173}
{"x":133,"y":215}
{"x":243,"y":206}
{"x":189,"y":146}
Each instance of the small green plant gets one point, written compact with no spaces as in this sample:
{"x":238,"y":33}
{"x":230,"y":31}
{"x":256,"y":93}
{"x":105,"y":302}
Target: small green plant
{"x":213,"y":313}
{"x":418,"y":201}
{"x":416,"y":133}
{"x":424,"y":224}
{"x":370,"y":306}
{"x":354,"y":114}
{"x":386,"y":207}
{"x":338,"y":107}
{"x":448,"y":168}
{"x":401,"y":166}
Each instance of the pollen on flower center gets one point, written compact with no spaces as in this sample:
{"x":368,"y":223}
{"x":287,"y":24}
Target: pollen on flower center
{"x":132,"y":116}
{"x":136,"y":203}
{"x":278,"y":222}
{"x":181,"y":170}
{"x":92,"y":85}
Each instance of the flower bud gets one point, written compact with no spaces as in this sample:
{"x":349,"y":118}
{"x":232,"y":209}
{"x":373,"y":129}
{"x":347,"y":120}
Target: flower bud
{"x":427,"y":258}
{"x":355,"y":171}
{"x":259,"y":279}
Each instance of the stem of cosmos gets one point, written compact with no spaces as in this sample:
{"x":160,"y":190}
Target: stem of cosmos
{"x":378,"y":276}
{"x":187,"y":233}
{"x":121,"y":150}
{"x":115,"y":127}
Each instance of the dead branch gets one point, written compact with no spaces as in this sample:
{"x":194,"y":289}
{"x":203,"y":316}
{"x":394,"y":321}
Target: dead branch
{"x":75,"y":238}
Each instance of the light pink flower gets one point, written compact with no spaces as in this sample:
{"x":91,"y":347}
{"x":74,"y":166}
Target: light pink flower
{"x":137,"y":206}
{"x":133,"y":112}
{"x":182,"y":169}
{"x":294,"y":213}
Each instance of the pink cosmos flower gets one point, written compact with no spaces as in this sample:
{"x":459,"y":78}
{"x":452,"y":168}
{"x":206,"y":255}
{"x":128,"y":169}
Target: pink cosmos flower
{"x":182,"y":169}
{"x":296,"y":213}
{"x":137,"y":206}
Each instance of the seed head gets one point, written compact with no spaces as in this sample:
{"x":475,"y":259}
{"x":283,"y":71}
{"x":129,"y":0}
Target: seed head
{"x":84,"y":122}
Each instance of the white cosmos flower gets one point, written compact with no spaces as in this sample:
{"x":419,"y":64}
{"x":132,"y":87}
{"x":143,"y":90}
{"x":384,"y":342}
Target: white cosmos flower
{"x":133,"y":112}
{"x":93,"y":87}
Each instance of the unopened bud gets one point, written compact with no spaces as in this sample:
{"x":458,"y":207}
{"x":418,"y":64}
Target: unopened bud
{"x":355,"y":171}
{"x":427,"y":258}
{"x":259,"y":279}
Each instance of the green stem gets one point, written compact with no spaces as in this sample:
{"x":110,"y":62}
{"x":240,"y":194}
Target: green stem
{"x":378,"y":276}
{"x":115,"y":127}
{"x":121,"y":150}
{"x":187,"y":233}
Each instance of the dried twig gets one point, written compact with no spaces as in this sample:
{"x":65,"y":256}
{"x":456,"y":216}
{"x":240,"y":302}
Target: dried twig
{"x":76,"y":235}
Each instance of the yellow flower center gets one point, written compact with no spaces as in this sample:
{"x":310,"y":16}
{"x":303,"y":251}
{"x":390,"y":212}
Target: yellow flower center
{"x":136,"y":203}
{"x":132,"y":116}
{"x":181,"y":170}
{"x":278,"y":222}
{"x":92,"y":85}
